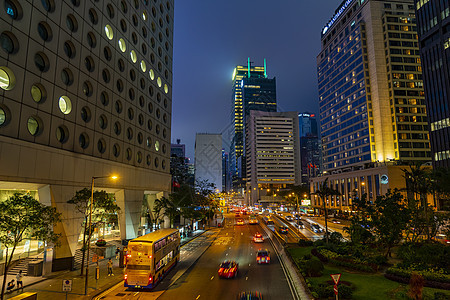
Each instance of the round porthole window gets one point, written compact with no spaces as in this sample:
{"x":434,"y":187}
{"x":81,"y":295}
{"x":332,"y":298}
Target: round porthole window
{"x":152,"y":74}
{"x":133,"y":56}
{"x":85,"y":114}
{"x":34,"y":125}
{"x":5,"y":115}
{"x":83,"y":140}
{"x":166,"y":88}
{"x":159,"y":82}
{"x":157,"y":145}
{"x":143,"y":66}
{"x":62,"y":134}
{"x":122,"y":45}
{"x":101,"y":146}
{"x":109,"y":32}
{"x":116,"y":150}
{"x":7,"y":79}
{"x":65,"y":105}
{"x":38,"y":93}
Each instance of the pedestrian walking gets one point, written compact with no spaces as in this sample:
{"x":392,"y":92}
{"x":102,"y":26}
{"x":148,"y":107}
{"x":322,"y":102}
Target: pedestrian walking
{"x":117,"y":253}
{"x":110,"y":268}
{"x":19,"y":278}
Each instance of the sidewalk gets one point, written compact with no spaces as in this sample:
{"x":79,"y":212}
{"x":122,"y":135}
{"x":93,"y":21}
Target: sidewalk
{"x":51,"y":286}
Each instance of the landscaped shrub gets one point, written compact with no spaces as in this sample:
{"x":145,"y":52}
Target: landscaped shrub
{"x":314,"y":267}
{"x":325,"y":290}
{"x":432,"y":279}
{"x":440,"y":296}
{"x":305,"y":243}
{"x":417,"y":256}
{"x":346,"y":261}
{"x":316,"y":253}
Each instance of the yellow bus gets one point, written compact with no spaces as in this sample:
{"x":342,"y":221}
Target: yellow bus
{"x":150,"y":257}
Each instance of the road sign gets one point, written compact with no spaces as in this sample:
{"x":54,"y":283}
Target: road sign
{"x":67,"y":285}
{"x":336,"y":277}
{"x":335,"y":289}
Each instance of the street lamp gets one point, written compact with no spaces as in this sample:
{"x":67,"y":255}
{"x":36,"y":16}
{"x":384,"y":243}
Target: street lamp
{"x":114,"y":177}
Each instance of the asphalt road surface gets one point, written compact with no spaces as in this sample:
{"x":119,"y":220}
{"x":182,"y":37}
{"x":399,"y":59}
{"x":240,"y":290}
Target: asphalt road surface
{"x":200,"y":281}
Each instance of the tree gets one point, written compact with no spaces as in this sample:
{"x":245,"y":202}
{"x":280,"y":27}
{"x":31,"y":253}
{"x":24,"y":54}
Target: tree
{"x":390,"y":216}
{"x":22,"y":217}
{"x":103,"y":210}
{"x":323,"y":193}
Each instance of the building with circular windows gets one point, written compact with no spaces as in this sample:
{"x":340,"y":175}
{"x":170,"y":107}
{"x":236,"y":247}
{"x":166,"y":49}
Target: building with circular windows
{"x":80,"y":82}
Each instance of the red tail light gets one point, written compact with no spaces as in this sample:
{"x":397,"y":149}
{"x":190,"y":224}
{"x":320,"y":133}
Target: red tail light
{"x":220,"y":270}
{"x":258,"y":258}
{"x":125,"y":277}
{"x":268,"y":258}
{"x":150,"y":279}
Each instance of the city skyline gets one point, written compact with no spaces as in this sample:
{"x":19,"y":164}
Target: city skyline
{"x":294,"y":67}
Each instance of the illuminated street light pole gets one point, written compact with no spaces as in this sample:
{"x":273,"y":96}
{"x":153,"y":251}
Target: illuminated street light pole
{"x":90,"y":231}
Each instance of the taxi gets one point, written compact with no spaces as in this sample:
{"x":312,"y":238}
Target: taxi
{"x":263,"y":256}
{"x":228,"y":269}
{"x":258,"y":238}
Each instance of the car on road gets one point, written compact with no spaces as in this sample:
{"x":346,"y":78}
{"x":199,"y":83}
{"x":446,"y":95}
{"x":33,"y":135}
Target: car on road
{"x":249,"y":296}
{"x":289,"y":218}
{"x":300,"y":225}
{"x":228,"y":269}
{"x":252,"y":220}
{"x":316,"y":228}
{"x":283,"y":229}
{"x":258,"y":238}
{"x":237,"y":215}
{"x":442,"y":238}
{"x":240,"y":222}
{"x":335,"y":221}
{"x":263,"y":256}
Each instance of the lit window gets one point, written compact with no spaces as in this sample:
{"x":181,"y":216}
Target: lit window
{"x":6,"y":79}
{"x":65,"y":105}
{"x":144,"y":15}
{"x":143,"y":66}
{"x":157,"y":145}
{"x":152,"y":74}
{"x":159,"y":82}
{"x":133,"y":56}
{"x":122,"y":45}
{"x":109,"y":32}
{"x":166,"y":88}
{"x":33,"y":126}
{"x":2,"y":116}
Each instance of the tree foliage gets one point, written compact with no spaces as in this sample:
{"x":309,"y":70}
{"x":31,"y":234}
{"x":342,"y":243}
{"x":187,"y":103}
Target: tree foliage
{"x":323,"y":193}
{"x":104,"y":209}
{"x":22,"y":217}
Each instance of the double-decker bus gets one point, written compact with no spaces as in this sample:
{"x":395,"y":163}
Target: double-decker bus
{"x":150,"y":257}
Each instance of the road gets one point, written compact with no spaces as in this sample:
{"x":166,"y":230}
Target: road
{"x":233,"y":242}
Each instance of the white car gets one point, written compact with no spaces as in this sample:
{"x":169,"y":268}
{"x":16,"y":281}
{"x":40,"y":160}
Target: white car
{"x":258,"y":238}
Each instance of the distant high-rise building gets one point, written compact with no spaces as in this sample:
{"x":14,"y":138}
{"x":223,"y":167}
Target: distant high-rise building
{"x":272,"y":152}
{"x":309,"y":146}
{"x":433,"y":21}
{"x":225,"y":172}
{"x":252,"y":90}
{"x":371,"y":98}
{"x":178,"y":149}
{"x":208,"y":158}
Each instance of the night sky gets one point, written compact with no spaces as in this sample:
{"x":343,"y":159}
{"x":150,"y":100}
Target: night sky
{"x":212,"y":37}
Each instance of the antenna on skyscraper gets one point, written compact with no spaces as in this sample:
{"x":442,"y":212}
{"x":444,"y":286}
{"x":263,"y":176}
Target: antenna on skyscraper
{"x":248,"y":67}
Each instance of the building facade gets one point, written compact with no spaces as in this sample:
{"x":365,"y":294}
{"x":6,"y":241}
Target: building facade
{"x":208,"y":158}
{"x":86,"y":90}
{"x":252,"y":90}
{"x":310,"y":156}
{"x":433,"y":21}
{"x":371,"y":97}
{"x":272,"y":152}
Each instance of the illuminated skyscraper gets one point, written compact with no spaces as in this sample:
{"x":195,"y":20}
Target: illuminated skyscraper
{"x":433,"y":20}
{"x":371,"y":98}
{"x":251,"y":90}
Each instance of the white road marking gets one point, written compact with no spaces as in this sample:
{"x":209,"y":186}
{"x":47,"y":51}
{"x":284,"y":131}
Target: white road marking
{"x":135,"y":294}
{"x":249,"y":265}
{"x":242,"y":233}
{"x":212,"y":278}
{"x":227,"y":254}
{"x":197,"y":297}
{"x":246,"y":278}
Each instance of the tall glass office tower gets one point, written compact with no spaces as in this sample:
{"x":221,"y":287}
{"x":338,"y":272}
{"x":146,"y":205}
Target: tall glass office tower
{"x":433,"y":20}
{"x":251,"y":90}
{"x":371,"y":97}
